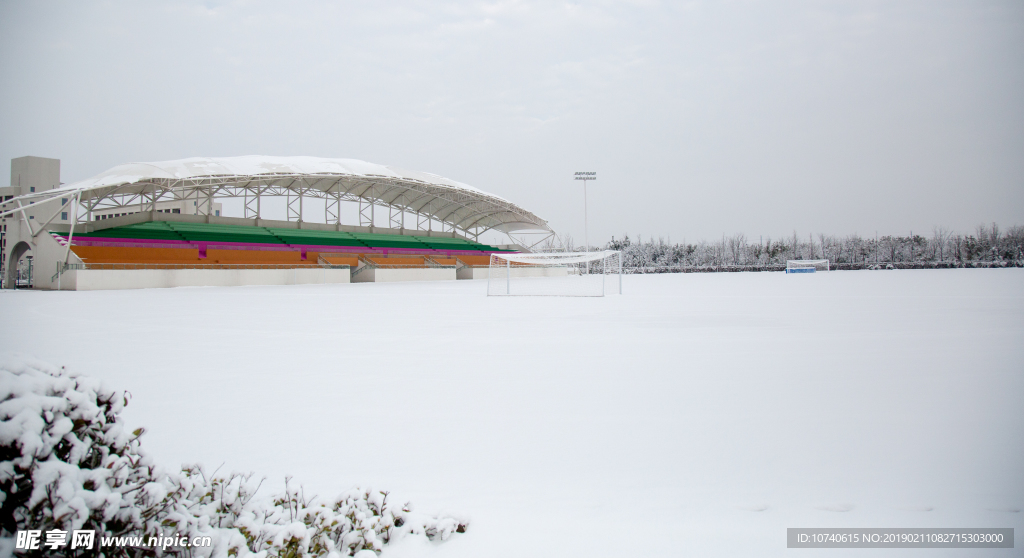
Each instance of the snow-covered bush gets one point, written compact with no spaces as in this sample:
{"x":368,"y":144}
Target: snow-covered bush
{"x":67,"y":463}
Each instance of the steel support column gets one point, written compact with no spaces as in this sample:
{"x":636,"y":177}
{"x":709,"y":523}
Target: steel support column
{"x":294,"y":205}
{"x":332,"y":207}
{"x":251,"y":200}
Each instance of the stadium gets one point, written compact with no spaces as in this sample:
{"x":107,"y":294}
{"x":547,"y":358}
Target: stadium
{"x":160,"y":224}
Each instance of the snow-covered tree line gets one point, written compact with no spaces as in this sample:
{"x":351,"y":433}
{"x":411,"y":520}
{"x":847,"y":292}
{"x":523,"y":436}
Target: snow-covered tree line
{"x":988,"y":245}
{"x":68,"y":464}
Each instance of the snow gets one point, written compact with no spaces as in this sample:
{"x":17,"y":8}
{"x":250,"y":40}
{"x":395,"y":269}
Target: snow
{"x":91,"y":474}
{"x":697,"y":414}
{"x":256,"y":165}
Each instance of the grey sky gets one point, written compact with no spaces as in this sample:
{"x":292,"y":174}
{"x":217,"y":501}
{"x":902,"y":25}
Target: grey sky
{"x":700,"y":118}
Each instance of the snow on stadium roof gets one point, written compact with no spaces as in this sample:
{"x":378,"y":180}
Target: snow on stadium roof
{"x":424,"y":193}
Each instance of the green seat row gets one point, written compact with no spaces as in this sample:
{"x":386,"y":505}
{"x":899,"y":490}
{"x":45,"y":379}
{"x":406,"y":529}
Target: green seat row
{"x":208,"y":232}
{"x":314,"y":237}
{"x":156,"y":230}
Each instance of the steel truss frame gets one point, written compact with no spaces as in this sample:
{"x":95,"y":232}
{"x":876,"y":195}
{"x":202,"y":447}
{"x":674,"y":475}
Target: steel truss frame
{"x":531,"y":240}
{"x":465,"y":212}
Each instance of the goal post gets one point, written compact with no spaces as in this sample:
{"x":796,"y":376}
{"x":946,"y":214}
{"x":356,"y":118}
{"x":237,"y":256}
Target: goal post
{"x":555,"y":274}
{"x":806,"y":266}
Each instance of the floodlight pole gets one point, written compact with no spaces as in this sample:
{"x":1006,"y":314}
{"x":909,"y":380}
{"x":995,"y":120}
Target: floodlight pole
{"x":586,"y":226}
{"x":585,"y":176}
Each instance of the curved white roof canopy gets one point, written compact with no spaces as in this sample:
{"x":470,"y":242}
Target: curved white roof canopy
{"x":427,"y":194}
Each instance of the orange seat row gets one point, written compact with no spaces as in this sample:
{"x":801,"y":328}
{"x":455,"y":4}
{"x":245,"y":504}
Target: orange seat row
{"x":136,"y":255}
{"x":254,"y":256}
{"x":398,"y":261}
{"x":352,"y":262}
{"x":475,"y":260}
{"x":117,"y":254}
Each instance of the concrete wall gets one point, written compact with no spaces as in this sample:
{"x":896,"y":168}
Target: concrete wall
{"x":46,"y":252}
{"x":40,"y":173}
{"x":377,"y":275}
{"x":35,"y":175}
{"x":6,"y":193}
{"x":116,"y":279}
{"x":470,"y":273}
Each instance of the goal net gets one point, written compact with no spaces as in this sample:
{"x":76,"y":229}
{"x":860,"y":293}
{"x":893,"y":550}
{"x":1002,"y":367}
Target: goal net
{"x":806,"y":266}
{"x":555,"y":274}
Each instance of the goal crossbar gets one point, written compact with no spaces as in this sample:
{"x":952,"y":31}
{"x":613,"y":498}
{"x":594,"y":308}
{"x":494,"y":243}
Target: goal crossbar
{"x":556,"y":258}
{"x":555,"y":274}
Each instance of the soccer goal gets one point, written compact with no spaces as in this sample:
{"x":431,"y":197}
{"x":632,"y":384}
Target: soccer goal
{"x":555,"y":274}
{"x":806,"y":266}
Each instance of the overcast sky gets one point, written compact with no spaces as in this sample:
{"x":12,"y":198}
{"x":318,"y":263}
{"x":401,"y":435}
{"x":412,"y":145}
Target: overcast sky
{"x":701,"y":118}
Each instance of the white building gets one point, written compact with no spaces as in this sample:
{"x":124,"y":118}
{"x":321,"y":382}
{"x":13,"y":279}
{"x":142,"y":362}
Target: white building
{"x":31,"y":175}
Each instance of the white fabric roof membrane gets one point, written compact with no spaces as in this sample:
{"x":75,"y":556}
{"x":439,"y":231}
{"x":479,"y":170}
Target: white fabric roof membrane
{"x":256,"y":165}
{"x":462,"y":205}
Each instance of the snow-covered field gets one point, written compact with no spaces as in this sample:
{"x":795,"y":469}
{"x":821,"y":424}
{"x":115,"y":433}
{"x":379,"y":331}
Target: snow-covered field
{"x":697,"y":414}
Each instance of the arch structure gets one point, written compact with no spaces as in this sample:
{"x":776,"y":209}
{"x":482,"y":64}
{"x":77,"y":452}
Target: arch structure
{"x":11,"y":267}
{"x":457,"y":207}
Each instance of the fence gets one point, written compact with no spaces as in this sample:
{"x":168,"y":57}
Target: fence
{"x":64,"y":268}
{"x":651,"y":269}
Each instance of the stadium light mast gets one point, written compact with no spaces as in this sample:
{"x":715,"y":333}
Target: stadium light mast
{"x":585,"y":176}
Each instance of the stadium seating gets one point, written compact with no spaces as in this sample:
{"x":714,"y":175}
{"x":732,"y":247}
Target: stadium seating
{"x":214,"y":233}
{"x":157,"y":242}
